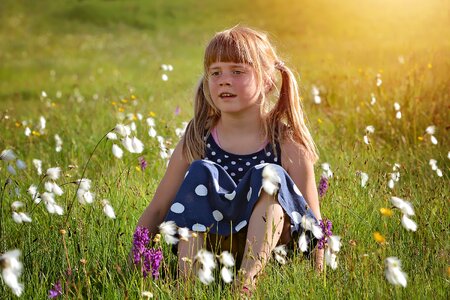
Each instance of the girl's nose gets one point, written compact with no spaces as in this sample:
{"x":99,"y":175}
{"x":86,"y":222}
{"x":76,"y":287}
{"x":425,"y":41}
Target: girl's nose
{"x":224,"y":83}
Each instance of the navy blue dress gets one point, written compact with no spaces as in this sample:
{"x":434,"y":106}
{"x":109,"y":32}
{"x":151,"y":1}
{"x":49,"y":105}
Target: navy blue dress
{"x":220,"y":191}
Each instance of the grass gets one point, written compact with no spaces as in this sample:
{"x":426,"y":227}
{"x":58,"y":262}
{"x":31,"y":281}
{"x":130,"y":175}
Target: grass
{"x":88,"y":54}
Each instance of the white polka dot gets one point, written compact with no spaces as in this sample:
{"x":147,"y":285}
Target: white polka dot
{"x":255,"y":157}
{"x":208,"y":145}
{"x":177,"y":208}
{"x":240,"y":169}
{"x":233,"y":162}
{"x":226,"y":156}
{"x":230,"y":196}
{"x":249,"y":194}
{"x":262,"y":161}
{"x":296,"y":217}
{"x":241,"y":225}
{"x":213,"y":153}
{"x":268,"y":154}
{"x":260,"y":166}
{"x":206,"y":158}
{"x":186,"y":174}
{"x":233,"y":174}
{"x":219,"y":161}
{"x":198,"y":227}
{"x":247,"y":163}
{"x":275,"y":159}
{"x":226,"y":167}
{"x":217,"y":215}
{"x":297,"y":191}
{"x":201,"y":190}
{"x":239,"y":158}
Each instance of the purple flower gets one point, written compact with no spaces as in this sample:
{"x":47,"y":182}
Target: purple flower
{"x":323,"y":186}
{"x":57,"y":290}
{"x":326,"y":227}
{"x":177,"y":111}
{"x":148,"y":258}
{"x":142,"y":163}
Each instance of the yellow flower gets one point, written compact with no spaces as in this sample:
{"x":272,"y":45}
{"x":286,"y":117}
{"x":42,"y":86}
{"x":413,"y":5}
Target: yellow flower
{"x":429,"y":65}
{"x":18,"y":124}
{"x":386,"y":211}
{"x":138,"y":168}
{"x":152,"y":114}
{"x":124,"y":100}
{"x":157,"y":238}
{"x":378,"y":237}
{"x":133,"y":97}
{"x":420,"y":138}
{"x":319,"y":120}
{"x":53,"y":104}
{"x":114,"y":103}
{"x":121,"y":109}
{"x":35,"y":133}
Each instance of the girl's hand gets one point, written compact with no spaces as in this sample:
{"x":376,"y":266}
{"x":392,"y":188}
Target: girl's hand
{"x":318,"y":266}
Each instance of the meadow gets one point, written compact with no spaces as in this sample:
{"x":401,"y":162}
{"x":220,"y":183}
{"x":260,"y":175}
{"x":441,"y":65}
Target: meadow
{"x":85,"y":66}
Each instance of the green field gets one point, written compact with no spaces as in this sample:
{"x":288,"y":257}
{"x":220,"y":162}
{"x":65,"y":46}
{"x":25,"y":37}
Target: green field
{"x":85,"y":65}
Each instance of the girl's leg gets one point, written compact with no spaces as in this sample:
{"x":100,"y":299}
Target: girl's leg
{"x":186,"y":253}
{"x":264,"y":231}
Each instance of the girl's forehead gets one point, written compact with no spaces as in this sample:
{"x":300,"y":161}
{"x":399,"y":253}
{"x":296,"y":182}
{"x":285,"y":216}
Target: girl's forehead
{"x":222,"y":64}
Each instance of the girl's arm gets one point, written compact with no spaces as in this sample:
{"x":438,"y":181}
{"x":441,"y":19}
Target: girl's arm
{"x":301,"y":169}
{"x":165,"y":193}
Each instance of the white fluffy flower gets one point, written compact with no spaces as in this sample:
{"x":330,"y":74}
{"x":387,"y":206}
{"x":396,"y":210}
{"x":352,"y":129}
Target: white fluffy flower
{"x":58,"y":143}
{"x":366,"y":140}
{"x":433,"y":164}
{"x":404,"y":206}
{"x":84,"y":183}
{"x":20,"y":164}
{"x":302,"y":242}
{"x":280,"y":254}
{"x":27,"y":131}
{"x":11,"y":170}
{"x":398,"y":115}
{"x":152,"y":132}
{"x":184,"y":233}
{"x":439,"y":172}
{"x":408,"y":224}
{"x":310,"y":224}
{"x":53,"y":173}
{"x":226,"y":274}
{"x":430,"y":130}
{"x":434,"y":140}
{"x":393,"y":271}
{"x":11,"y":270}
{"x":168,"y":230}
{"x":205,"y":258}
{"x":334,"y":242}
{"x":391,"y":184}
{"x":330,"y":258}
{"x":21,"y":217}
{"x":271,"y":180}
{"x":85,"y":196}
{"x":37,"y":163}
{"x":123,"y":130}
{"x":150,"y":122}
{"x":396,"y":106}
{"x":373,"y":100}
{"x":111,"y":136}
{"x":133,"y":145}
{"x":226,"y":259}
{"x":164,"y":77}
{"x":107,"y":209}
{"x":370,"y":129}
{"x":364,"y":179}
{"x":205,"y":275}
{"x":327,"y":170}
{"x":117,"y":151}
{"x":16,"y":205}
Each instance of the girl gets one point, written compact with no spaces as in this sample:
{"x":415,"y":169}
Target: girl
{"x":240,"y":147}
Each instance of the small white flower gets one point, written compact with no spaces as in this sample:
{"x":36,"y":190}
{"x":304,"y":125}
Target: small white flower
{"x":16,"y":217}
{"x":152,"y":132}
{"x":226,"y":259}
{"x":168,"y":230}
{"x":58,"y":142}
{"x":164,"y":77}
{"x":366,"y":140}
{"x":373,"y":100}
{"x":205,"y":258}
{"x":123,"y":130}
{"x":430,"y":129}
{"x":38,"y":165}
{"x":433,"y":164}
{"x":133,"y":126}
{"x":85,"y":196}
{"x":271,"y":180}
{"x":25,"y":217}
{"x":310,"y":224}
{"x":11,"y":270}
{"x":408,"y":224}
{"x":147,"y":294}
{"x":16,"y":205}
{"x":364,"y":179}
{"x":334,"y":242}
{"x":164,"y":67}
{"x":205,"y":275}
{"x":150,"y":122}
{"x":391,"y":184}
{"x":20,"y":164}
{"x":42,"y":124}
{"x":139,"y":116}
{"x":327,"y":170}
{"x":111,"y":136}
{"x":184,"y":233}
{"x":330,"y":258}
{"x":27,"y":131}
{"x":138,"y":146}
{"x":280,"y":254}
{"x":302,"y":242}
{"x":396,"y":106}
{"x":370,"y":129}
{"x":117,"y":151}
{"x":57,"y":190}
{"x":107,"y":209}
{"x":32,"y":191}
{"x":393,"y":271}
{"x":404,"y":206}
{"x":379,"y":81}
{"x":434,"y":140}
{"x":85,"y":184}
{"x":226,"y":274}
{"x":53,"y":173}
{"x":398,"y":115}
{"x":439,"y":172}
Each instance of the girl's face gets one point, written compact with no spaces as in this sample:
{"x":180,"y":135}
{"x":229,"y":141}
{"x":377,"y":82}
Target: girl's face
{"x":233,"y":87}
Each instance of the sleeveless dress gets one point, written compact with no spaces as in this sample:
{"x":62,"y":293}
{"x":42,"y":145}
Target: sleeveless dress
{"x":220,"y":191}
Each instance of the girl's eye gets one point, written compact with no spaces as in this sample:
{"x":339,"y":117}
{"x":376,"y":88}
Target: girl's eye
{"x":238,"y":72}
{"x":215,"y":73}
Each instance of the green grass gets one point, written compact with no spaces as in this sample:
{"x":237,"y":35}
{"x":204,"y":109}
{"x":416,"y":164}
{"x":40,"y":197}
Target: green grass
{"x":94,"y":53}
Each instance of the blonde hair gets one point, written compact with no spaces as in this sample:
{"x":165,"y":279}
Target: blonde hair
{"x":284,"y":118}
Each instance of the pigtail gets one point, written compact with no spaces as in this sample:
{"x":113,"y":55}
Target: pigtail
{"x":286,"y":119}
{"x":205,"y":116}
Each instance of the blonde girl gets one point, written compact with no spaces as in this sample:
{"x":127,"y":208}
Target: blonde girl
{"x":242,"y":176}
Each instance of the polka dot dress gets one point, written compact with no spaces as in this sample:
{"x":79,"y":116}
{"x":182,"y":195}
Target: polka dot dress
{"x":220,"y":191}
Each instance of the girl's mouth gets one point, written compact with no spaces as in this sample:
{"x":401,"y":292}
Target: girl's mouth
{"x":226,"y":95}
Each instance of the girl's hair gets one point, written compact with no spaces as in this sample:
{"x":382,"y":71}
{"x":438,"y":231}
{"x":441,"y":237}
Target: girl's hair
{"x":284,"y":119}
